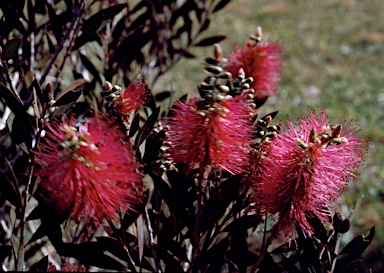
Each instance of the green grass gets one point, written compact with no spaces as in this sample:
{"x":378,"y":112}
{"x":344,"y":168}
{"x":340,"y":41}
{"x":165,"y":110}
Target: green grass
{"x":333,"y":57}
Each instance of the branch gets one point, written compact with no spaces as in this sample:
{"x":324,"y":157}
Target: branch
{"x":77,"y":14}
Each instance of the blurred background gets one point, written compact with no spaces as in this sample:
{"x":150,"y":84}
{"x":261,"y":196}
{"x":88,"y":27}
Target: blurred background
{"x":333,"y":57}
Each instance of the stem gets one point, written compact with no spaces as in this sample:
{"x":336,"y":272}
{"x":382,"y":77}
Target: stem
{"x":337,"y":237}
{"x":77,"y":14}
{"x":264,"y":246}
{"x":196,"y":236}
{"x":150,"y":231}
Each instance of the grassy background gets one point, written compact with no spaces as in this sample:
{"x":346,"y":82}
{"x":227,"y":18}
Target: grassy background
{"x":334,"y":57}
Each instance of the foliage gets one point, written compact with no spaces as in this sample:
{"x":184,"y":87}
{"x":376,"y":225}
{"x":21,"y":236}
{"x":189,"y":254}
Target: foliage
{"x":200,"y":216}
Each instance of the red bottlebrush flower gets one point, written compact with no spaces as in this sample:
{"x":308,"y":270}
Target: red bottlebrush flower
{"x":305,"y":169}
{"x":219,"y":137}
{"x":261,"y":61}
{"x":66,"y":267}
{"x":135,"y":95}
{"x":89,"y":170}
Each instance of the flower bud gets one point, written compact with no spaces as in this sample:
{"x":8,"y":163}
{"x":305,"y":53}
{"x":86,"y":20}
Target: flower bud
{"x":218,"y":52}
{"x":222,"y":88}
{"x":336,"y":131}
{"x":212,"y":69}
{"x":108,"y":86}
{"x":210,"y":60}
{"x":225,"y":75}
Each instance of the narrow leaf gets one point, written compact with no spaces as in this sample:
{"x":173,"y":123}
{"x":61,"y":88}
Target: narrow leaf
{"x":12,"y":100}
{"x":91,"y":253}
{"x":134,"y":125}
{"x":5,"y":251}
{"x":221,"y":5}
{"x":140,"y":236}
{"x":147,"y":127}
{"x":9,"y":191}
{"x":40,"y":266}
{"x":68,"y":98}
{"x":210,"y":40}
{"x":10,"y":49}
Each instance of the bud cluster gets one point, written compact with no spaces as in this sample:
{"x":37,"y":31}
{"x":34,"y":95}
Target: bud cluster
{"x":111,"y":94}
{"x":219,"y":85}
{"x":328,"y":136}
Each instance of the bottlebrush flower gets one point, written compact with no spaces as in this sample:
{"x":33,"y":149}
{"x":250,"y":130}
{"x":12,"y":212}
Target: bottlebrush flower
{"x":88,"y":170}
{"x":261,"y":61}
{"x":217,"y":137}
{"x":306,"y":168}
{"x":135,"y":95}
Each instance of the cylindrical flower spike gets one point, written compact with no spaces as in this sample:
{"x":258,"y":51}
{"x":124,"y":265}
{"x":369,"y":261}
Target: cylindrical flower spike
{"x":305,"y":170}
{"x":218,"y":137}
{"x":89,"y":170}
{"x":261,"y":61}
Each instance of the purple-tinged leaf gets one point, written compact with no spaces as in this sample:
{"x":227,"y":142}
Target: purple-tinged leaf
{"x":5,"y":251}
{"x":221,"y":5}
{"x":210,"y":40}
{"x":10,"y":49}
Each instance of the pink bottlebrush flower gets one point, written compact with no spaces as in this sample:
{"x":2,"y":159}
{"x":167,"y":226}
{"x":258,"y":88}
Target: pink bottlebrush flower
{"x":261,"y":61}
{"x":305,"y":169}
{"x":219,"y":137}
{"x":89,"y":170}
{"x":134,"y":96}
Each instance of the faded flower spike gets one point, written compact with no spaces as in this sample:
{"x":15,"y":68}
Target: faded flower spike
{"x":306,"y":169}
{"x":261,"y":61}
{"x":215,"y":135}
{"x":134,"y":96}
{"x":87,"y":169}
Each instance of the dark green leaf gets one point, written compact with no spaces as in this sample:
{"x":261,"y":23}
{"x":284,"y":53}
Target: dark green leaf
{"x":9,"y":191}
{"x":239,"y":253}
{"x":147,"y":127}
{"x":354,"y":249}
{"x":220,"y":200}
{"x":134,"y":125}
{"x":354,"y":266}
{"x":162,"y":95}
{"x":10,"y":49}
{"x":90,"y":253}
{"x":56,"y":23}
{"x":95,"y":23}
{"x":68,"y":98}
{"x":244,"y":222}
{"x":22,"y":127}
{"x":260,"y":101}
{"x":5,"y":251}
{"x":189,"y":55}
{"x":114,"y":247}
{"x":152,"y":147}
{"x":268,"y":265}
{"x":318,"y":229}
{"x":40,"y":266}
{"x":128,"y":219}
{"x":221,"y":5}
{"x":22,"y":130}
{"x":39,"y":91}
{"x":71,"y":93}
{"x":90,"y":67}
{"x":308,"y":254}
{"x":210,"y":40}
{"x":344,"y":226}
{"x":12,"y":100}
{"x":33,"y":249}
{"x":215,"y":256}
{"x":48,"y":228}
{"x":273,"y":115}
{"x":171,"y":264}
